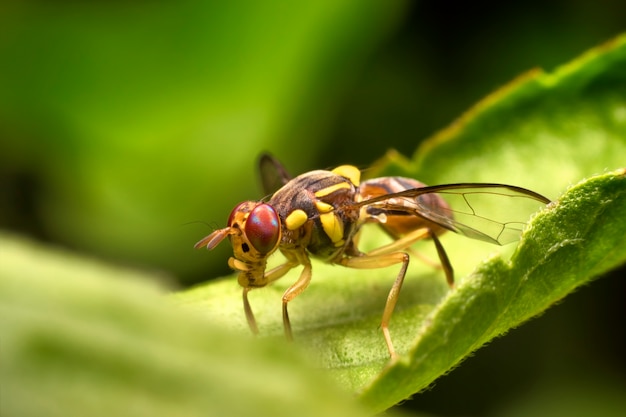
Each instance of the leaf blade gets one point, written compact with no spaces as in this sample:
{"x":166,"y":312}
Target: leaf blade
{"x":492,"y":300}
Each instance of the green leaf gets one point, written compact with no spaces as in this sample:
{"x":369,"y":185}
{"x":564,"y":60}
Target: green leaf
{"x":81,"y":338}
{"x":545,"y":131}
{"x":574,"y":240}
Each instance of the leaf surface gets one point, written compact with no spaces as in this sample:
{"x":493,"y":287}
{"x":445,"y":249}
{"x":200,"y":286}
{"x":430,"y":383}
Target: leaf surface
{"x":544,"y":131}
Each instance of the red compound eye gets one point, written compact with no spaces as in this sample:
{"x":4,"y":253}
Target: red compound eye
{"x":263,"y":228}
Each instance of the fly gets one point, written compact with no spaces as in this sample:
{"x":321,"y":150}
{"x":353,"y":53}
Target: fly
{"x":320,"y":213}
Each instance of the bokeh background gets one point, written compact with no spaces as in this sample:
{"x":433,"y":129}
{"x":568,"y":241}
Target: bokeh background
{"x":128,"y":131}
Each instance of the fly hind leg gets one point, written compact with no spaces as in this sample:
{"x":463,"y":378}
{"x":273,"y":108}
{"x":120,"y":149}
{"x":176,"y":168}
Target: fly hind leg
{"x":404,"y":243}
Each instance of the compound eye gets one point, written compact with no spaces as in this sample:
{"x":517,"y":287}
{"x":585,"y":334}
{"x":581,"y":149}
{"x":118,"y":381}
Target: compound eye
{"x":263,"y":228}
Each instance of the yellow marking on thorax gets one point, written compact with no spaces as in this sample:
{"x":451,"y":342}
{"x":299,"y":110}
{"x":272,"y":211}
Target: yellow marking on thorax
{"x":350,"y":172}
{"x":295,"y":219}
{"x":323,"y":207}
{"x":333,"y":227}
{"x":331,"y":189}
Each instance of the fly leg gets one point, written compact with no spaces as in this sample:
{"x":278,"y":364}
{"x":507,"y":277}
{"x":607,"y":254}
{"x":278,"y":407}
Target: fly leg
{"x":270,"y":276}
{"x":414,"y":253}
{"x":445,"y":261}
{"x":409,"y":239}
{"x":295,"y":290}
{"x":380,"y":261}
{"x":248,"y":310}
{"x":392,"y":254}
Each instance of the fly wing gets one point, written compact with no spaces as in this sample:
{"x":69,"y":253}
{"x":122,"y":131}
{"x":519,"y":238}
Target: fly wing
{"x":494,"y":213}
{"x":272,"y":173}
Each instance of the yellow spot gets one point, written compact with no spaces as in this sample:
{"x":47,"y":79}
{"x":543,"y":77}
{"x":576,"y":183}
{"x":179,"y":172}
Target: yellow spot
{"x":350,"y":172}
{"x":295,"y":219}
{"x":323,"y":207}
{"x":332,"y":226}
{"x":331,"y":189}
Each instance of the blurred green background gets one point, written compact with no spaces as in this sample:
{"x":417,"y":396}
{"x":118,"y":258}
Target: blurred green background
{"x":128,"y":131}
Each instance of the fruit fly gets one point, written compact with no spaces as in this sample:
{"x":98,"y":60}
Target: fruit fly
{"x":319,"y":214}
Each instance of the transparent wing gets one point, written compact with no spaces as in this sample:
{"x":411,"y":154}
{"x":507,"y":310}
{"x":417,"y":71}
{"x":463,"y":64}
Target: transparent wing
{"x":272,"y":173}
{"x":494,"y":213}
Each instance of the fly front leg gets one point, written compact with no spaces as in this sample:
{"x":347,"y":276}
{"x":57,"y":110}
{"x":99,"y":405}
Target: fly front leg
{"x":248,"y":310}
{"x":295,"y":290}
{"x":268,"y":277}
{"x":380,"y":261}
